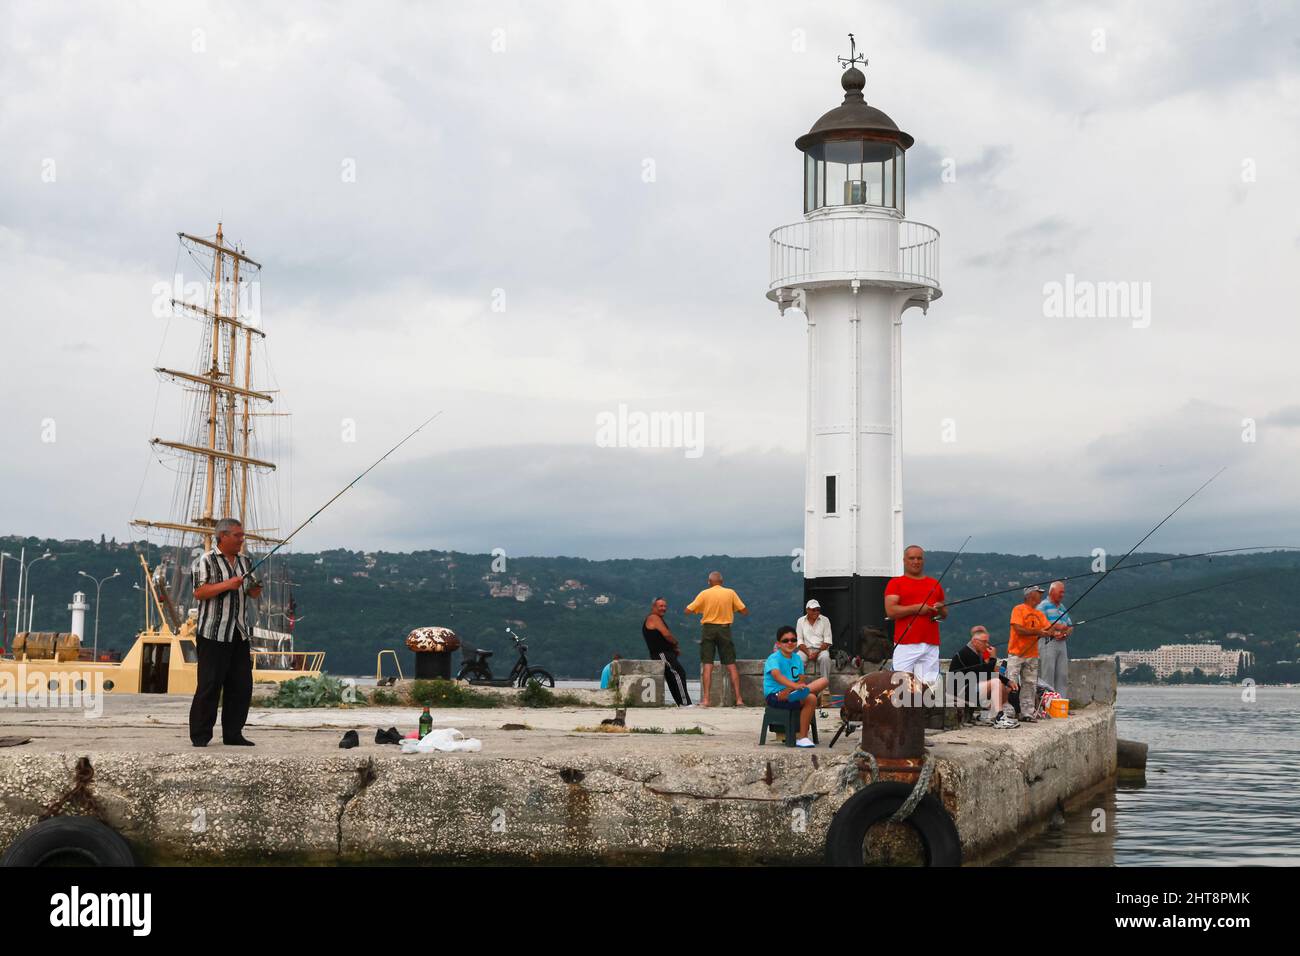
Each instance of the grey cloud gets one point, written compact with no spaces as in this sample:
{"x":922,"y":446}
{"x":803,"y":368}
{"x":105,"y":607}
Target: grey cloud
{"x":524,"y":171}
{"x":1286,"y":417}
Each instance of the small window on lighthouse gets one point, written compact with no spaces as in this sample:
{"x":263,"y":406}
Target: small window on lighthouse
{"x":830,"y":495}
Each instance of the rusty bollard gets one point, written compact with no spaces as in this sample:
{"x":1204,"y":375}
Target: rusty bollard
{"x":889,"y":704}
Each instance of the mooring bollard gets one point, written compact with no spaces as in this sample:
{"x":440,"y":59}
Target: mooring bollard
{"x":1131,"y":755}
{"x":889,"y":704}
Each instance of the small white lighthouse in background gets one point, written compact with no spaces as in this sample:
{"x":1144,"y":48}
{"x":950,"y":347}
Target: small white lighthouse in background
{"x":79,"y":607}
{"x":853,"y":266}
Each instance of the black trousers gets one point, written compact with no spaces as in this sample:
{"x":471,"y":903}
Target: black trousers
{"x":675,"y":678}
{"x":224,"y":668}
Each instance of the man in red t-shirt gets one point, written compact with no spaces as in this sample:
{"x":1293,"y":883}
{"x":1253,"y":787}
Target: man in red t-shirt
{"x":914,"y":602}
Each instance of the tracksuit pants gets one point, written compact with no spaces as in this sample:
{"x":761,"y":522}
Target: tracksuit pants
{"x":675,"y":678}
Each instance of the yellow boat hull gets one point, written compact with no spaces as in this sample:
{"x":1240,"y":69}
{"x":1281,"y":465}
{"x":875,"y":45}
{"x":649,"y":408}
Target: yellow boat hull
{"x":158,"y":663}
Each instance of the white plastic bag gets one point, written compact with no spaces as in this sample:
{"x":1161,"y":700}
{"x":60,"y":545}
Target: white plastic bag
{"x":444,"y":739}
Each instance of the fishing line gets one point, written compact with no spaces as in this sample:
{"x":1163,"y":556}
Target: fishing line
{"x":1065,"y":611}
{"x":1138,"y":607}
{"x":268,"y":554}
{"x":1129,"y":567}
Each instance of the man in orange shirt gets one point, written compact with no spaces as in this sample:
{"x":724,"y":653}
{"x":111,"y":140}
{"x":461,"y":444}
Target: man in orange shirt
{"x":717,"y":606}
{"x":1028,"y":624}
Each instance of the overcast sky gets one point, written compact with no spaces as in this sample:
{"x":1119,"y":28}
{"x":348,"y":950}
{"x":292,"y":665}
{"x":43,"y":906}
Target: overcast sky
{"x":501,"y":156}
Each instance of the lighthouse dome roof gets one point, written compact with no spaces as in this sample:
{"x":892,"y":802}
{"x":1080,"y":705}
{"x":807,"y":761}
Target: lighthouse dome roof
{"x":853,"y":118}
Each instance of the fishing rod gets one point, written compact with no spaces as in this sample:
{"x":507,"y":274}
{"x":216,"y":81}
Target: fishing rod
{"x":1128,"y":567}
{"x":932,"y":589}
{"x":1138,"y":607}
{"x":1065,"y":612}
{"x":268,"y":554}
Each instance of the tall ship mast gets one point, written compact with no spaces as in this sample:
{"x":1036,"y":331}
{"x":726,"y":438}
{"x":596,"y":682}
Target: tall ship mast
{"x":224,"y":462}
{"x":225,"y":466}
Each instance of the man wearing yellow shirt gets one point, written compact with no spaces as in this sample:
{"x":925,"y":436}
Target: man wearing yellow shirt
{"x":717,"y":606}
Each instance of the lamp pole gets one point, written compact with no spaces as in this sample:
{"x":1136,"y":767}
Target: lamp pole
{"x":98,"y":584}
{"x":18,"y":601}
{"x":27,"y":588}
{"x":4,"y":608}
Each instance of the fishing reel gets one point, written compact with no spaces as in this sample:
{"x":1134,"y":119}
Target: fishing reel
{"x":251,"y":582}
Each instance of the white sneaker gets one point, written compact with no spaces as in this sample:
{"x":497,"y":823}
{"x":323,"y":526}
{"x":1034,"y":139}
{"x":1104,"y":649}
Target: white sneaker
{"x":804,"y":742}
{"x":1003,"y":722}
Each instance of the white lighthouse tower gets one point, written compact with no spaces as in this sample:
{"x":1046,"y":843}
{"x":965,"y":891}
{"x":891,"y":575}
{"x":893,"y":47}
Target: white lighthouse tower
{"x":853,"y":266}
{"x":79,"y":607}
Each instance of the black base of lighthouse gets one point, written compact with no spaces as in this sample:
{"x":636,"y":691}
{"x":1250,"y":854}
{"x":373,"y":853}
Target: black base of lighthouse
{"x":855,"y":606}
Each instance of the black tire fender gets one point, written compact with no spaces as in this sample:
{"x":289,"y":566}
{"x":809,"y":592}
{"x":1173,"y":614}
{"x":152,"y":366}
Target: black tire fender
{"x":876,"y":804}
{"x":83,"y":841}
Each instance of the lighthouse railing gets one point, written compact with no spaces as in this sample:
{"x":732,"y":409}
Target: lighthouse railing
{"x":834,"y":249}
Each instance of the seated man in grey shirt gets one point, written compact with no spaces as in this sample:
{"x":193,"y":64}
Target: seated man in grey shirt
{"x":814,"y":632}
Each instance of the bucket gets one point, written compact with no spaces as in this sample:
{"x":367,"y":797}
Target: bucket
{"x":1060,"y":707}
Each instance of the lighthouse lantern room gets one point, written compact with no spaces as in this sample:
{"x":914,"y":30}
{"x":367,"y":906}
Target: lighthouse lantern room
{"x":852,"y":267}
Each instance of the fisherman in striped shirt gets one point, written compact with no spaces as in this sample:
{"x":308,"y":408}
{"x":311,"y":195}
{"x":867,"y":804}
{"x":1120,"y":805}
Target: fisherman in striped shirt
{"x":225,"y":664}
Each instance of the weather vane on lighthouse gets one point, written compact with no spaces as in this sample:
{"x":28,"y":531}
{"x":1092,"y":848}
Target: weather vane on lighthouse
{"x":853,"y":266}
{"x":854,"y":57}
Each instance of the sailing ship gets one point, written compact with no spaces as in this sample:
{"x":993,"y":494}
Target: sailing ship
{"x":224,"y":463}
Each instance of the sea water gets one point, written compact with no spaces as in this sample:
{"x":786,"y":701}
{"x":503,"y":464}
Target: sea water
{"x":1221,"y":779}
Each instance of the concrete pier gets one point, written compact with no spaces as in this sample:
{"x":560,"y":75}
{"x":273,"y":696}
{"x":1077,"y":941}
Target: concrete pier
{"x":548,"y":793}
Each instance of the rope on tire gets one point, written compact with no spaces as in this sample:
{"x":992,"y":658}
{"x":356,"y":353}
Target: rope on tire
{"x":851,"y":777}
{"x":918,"y":792}
{"x":851,"y":773}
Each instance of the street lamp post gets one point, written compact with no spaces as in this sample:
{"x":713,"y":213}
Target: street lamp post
{"x":98,"y":584}
{"x":25,"y":587}
{"x":18,"y":601}
{"x":4,"y":607}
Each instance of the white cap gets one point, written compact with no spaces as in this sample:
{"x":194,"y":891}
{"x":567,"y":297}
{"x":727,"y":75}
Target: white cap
{"x":812,"y":604}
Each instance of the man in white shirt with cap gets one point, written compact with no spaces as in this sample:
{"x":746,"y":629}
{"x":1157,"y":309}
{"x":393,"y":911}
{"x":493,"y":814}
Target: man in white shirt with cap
{"x":814,"y":632}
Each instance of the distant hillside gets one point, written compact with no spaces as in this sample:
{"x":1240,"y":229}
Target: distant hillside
{"x":575,"y":613}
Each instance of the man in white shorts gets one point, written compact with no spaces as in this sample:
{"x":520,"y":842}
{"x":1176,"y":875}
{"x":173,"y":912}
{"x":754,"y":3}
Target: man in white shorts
{"x":914,"y":602}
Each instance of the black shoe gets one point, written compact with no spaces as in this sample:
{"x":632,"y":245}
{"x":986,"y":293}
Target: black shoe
{"x":389,"y":736}
{"x":238,"y":742}
{"x":349,"y":740}
{"x":199,"y":743}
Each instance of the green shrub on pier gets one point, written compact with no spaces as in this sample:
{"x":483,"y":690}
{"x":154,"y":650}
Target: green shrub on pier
{"x":318,"y":691}
{"x":447,"y":693}
{"x":535,"y":695}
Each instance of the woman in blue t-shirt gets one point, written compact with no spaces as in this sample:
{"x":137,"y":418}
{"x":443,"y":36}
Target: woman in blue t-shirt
{"x":784,"y":683}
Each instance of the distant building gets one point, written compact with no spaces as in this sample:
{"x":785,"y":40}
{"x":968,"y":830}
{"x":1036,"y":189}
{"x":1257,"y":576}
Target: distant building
{"x":522,"y":592}
{"x":571,"y":603}
{"x":601,"y":599}
{"x":1168,"y":659}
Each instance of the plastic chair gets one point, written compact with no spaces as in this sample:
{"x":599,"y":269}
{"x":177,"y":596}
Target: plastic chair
{"x":780,"y":717}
